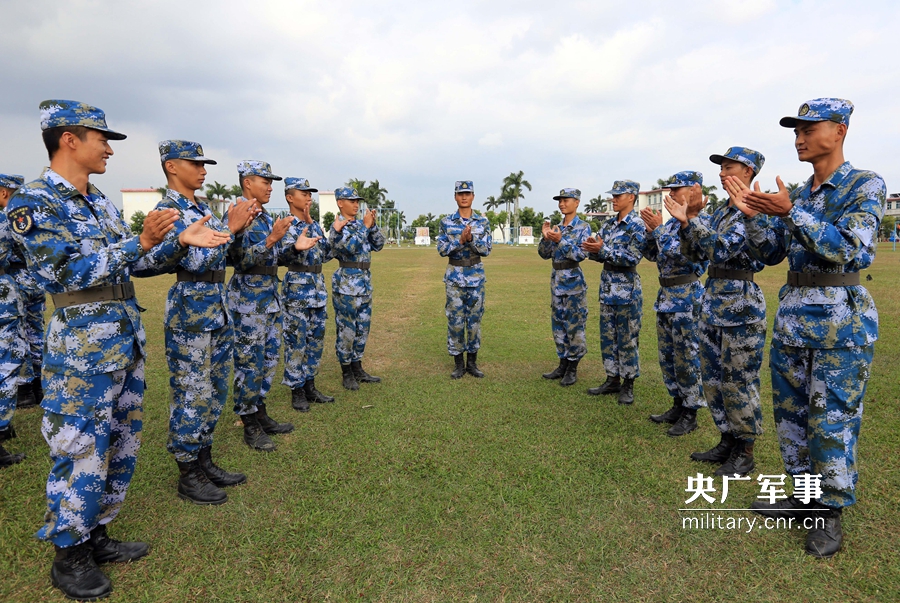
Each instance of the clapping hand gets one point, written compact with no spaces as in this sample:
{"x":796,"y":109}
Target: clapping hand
{"x":304,"y":242}
{"x":199,"y":235}
{"x":241,"y":213}
{"x":652,"y":219}
{"x":279,"y":229}
{"x":592,"y":244}
{"x":466,"y":234}
{"x":339,"y":223}
{"x":772,"y":204}
{"x":554,"y":234}
{"x":156,"y":225}
{"x":369,"y":218}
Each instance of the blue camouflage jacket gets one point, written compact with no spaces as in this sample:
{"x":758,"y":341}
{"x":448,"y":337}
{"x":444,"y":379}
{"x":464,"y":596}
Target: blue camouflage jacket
{"x":73,"y":242}
{"x":721,"y":239}
{"x":355,"y":243}
{"x":571,"y":280}
{"x":663,"y":246}
{"x":196,"y":306}
{"x":253,"y":293}
{"x":303,"y":289}
{"x":622,"y":243}
{"x":831,"y":229}
{"x":10,"y":300}
{"x":448,"y":245}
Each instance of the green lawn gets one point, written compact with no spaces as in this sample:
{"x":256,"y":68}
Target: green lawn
{"x":509,"y":488}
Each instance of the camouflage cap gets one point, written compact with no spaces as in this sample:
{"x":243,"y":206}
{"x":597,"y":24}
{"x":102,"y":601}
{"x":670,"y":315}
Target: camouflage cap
{"x":251,"y":167}
{"x":686,"y":178}
{"x":347,"y":194}
{"x":624,"y":186}
{"x":464,"y":186}
{"x":298,"y":184}
{"x":568,"y":193}
{"x":749,"y":157}
{"x":183,"y":149}
{"x":11,"y":180}
{"x":837,"y":110}
{"x":56,"y":113}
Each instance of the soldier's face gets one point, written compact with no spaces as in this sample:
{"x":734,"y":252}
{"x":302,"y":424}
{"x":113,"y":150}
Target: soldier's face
{"x":736,"y":169}
{"x":92,"y":152}
{"x":568,"y":206}
{"x":818,"y":139}
{"x":464,"y":200}
{"x":623,"y":201}
{"x":192,"y":174}
{"x":349,"y":207}
{"x":301,"y":200}
{"x":680,"y":195}
{"x":259,"y":188}
{"x":5,"y":195}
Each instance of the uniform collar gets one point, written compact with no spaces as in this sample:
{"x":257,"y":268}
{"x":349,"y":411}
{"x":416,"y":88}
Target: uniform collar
{"x":182,"y":201}
{"x":64,"y":188}
{"x":835,"y":179}
{"x":576,"y":220}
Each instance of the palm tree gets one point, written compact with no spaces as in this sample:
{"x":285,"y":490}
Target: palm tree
{"x":663,"y":183}
{"x":792,"y":186}
{"x":597,"y":204}
{"x":492,"y":203}
{"x":216,"y":191}
{"x":514,"y":183}
{"x":235,"y":191}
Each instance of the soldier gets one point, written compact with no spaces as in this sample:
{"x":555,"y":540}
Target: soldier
{"x":254,"y":306}
{"x":199,"y":332}
{"x":732,"y":316}
{"x":352,"y":243}
{"x":304,"y":296}
{"x":464,"y":238}
{"x":618,"y":245}
{"x":14,"y":366}
{"x":827,"y":323}
{"x":677,"y":311}
{"x":84,"y":254}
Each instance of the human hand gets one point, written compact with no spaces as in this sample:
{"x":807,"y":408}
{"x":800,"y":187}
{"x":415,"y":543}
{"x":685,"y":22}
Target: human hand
{"x":200,"y":235}
{"x":555,"y":234}
{"x":241,"y":213}
{"x":156,"y":225}
{"x":772,"y":204}
{"x":279,"y":229}
{"x":593,"y":244}
{"x":339,"y":222}
{"x":652,"y":219}
{"x":304,"y":242}
{"x":369,"y":218}
{"x":677,"y":211}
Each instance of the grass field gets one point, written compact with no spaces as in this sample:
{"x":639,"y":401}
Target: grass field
{"x":509,"y":488}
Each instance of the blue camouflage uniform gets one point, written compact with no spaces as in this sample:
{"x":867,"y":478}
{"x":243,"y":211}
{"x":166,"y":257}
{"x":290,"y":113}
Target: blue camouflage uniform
{"x":351,"y":287}
{"x":823,"y":340}
{"x":304,"y":297}
{"x":199,"y":332}
{"x":254,"y":304}
{"x":94,"y":352}
{"x":568,"y":290}
{"x":677,"y":313}
{"x":464,"y":277}
{"x":621,"y":297}
{"x":732,"y":310}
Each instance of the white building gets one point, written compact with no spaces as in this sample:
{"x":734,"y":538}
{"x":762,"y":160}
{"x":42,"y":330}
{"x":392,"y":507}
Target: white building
{"x":145,"y":200}
{"x":893,"y":205}
{"x":654,"y":200}
{"x":327,"y":203}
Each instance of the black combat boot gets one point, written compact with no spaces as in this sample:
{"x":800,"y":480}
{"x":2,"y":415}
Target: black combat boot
{"x":25,"y":397}
{"x":685,"y":424}
{"x":361,"y":375}
{"x":671,"y":415}
{"x":254,"y":436}
{"x":612,"y":385}
{"x":298,"y":399}
{"x":349,"y":379}
{"x":193,"y":485}
{"x":740,"y":461}
{"x":216,"y":474}
{"x":76,"y":574}
{"x":571,"y":375}
{"x":718,"y":453}
{"x":459,"y":367}
{"x":626,"y":394}
{"x":823,"y":541}
{"x":559,"y":371}
{"x":314,"y":395}
{"x":7,"y":458}
{"x":472,"y":365}
{"x":788,"y":507}
{"x":270,"y":425}
{"x":37,"y":387}
{"x":108,"y":550}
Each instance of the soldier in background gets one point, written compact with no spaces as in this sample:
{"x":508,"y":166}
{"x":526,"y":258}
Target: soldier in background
{"x":618,"y":246}
{"x":464,"y":238}
{"x":568,"y":291}
{"x":352,"y":243}
{"x":304,"y":296}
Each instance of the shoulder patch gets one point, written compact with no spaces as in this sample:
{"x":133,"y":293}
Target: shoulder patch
{"x":21,"y":219}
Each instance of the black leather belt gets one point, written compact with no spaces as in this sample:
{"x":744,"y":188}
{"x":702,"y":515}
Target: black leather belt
{"x":17,"y":266}
{"x":210,"y":276}
{"x":613,"y":268}
{"x":733,"y":275}
{"x":357,"y":265}
{"x":263,"y":270}
{"x":469,"y":262}
{"x":102,"y":293}
{"x":314,"y":269}
{"x":821,"y":279}
{"x":565,"y":265}
{"x":671,"y":281}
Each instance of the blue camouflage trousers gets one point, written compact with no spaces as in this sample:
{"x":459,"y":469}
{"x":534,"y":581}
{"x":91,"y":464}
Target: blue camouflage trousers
{"x":14,"y":366}
{"x":679,"y":356}
{"x":818,"y":402}
{"x":256,"y":341}
{"x":568,"y":317}
{"x":352,"y":317}
{"x":94,"y":456}
{"x":731,"y":358}
{"x":34,"y":301}
{"x":620,"y":327}
{"x":199,"y":365}
{"x":304,"y":340}
{"x":464,"y":309}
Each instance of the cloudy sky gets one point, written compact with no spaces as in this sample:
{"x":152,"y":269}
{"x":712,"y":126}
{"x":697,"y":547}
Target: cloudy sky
{"x":419,"y":94}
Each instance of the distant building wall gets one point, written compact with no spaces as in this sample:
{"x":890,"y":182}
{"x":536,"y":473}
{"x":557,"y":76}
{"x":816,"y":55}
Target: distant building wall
{"x":327,"y":203}
{"x":138,"y":199}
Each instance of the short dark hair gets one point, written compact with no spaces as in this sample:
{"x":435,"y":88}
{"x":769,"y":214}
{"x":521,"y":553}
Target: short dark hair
{"x":52,"y":135}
